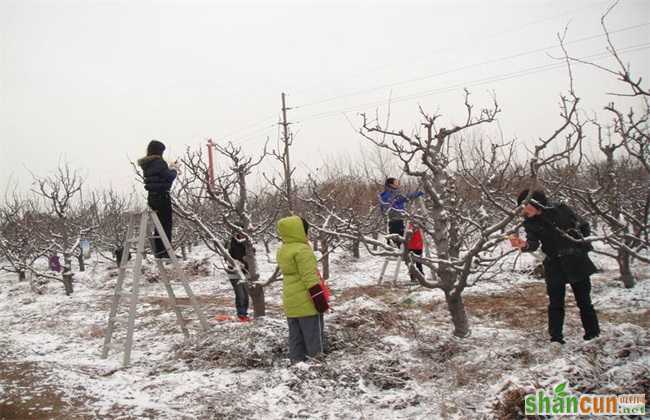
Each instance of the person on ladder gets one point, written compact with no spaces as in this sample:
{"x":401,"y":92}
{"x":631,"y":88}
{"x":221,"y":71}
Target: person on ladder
{"x":158,"y":180}
{"x":392,"y":203}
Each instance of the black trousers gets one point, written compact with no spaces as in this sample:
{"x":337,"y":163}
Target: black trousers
{"x":161,"y":203}
{"x":417,"y":264}
{"x":396,"y":226}
{"x":556,"y":289}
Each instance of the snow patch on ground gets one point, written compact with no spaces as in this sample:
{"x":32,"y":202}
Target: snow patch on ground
{"x":391,"y":352}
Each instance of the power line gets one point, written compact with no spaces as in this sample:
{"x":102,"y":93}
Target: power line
{"x":253,"y":134}
{"x":251,"y":125}
{"x":466,"y":67}
{"x":470,"y":42}
{"x":262,"y":122}
{"x":477,"y":82}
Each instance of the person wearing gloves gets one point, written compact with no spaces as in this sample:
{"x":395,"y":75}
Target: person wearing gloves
{"x":303,"y":296}
{"x":393,"y":203}
{"x":560,"y":232}
{"x":158,"y":178}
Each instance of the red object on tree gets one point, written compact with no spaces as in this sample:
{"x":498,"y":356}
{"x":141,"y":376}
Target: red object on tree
{"x":416,"y":243}
{"x":210,"y":165}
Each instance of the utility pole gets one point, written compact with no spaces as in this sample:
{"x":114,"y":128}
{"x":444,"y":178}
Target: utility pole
{"x":285,"y":161}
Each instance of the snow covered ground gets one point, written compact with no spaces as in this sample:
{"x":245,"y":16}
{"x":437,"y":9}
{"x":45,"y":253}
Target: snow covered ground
{"x":391,"y":352}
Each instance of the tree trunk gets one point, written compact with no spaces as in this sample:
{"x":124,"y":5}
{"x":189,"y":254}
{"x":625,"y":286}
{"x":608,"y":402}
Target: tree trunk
{"x":456,"y":309}
{"x":624,"y":268}
{"x":22,"y":275}
{"x":259,"y":302}
{"x":189,"y":247}
{"x":256,"y":292}
{"x":184,"y":252}
{"x":67,"y":273}
{"x":375,"y":236}
{"x":267,"y":247}
{"x":355,"y":249}
{"x":67,"y":283}
{"x":325,"y":260}
{"x":81,"y":262}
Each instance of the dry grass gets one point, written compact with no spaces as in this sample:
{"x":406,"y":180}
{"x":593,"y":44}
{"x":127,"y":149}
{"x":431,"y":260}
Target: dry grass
{"x":373,"y":291}
{"x":520,"y":308}
{"x":641,"y":319}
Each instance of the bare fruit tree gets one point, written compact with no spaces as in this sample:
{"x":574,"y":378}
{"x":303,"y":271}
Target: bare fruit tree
{"x":110,"y":212}
{"x":19,"y":218}
{"x":616,"y":189}
{"x":62,"y":233}
{"x":229,"y":198}
{"x":427,"y":157}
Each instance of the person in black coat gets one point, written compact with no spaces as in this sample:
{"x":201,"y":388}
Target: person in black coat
{"x":237,"y":250}
{"x":560,"y":232}
{"x":158,"y":179}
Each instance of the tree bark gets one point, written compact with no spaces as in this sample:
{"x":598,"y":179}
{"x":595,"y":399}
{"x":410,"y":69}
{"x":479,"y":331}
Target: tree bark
{"x":67,"y":273}
{"x":355,"y":249}
{"x":456,"y":309}
{"x":325,"y":260}
{"x":256,"y":292}
{"x":259,"y":303}
{"x":81,"y":262}
{"x":624,"y":268}
{"x":67,"y":283}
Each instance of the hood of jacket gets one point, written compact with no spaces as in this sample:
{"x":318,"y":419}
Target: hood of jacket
{"x":142,"y":162}
{"x":291,"y":230}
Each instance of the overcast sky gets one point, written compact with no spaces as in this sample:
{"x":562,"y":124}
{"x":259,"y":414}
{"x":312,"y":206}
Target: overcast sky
{"x":91,"y":82}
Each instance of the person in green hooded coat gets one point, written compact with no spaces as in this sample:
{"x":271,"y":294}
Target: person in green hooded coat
{"x":303,"y":297}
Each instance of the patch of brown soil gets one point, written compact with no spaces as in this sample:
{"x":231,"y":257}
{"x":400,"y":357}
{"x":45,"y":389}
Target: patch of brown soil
{"x":28,"y":394}
{"x":641,"y":319}
{"x":370,"y":291}
{"x":521,"y":308}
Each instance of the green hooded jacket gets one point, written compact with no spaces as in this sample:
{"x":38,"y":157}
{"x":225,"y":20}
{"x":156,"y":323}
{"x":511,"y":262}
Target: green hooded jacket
{"x":299,"y":268}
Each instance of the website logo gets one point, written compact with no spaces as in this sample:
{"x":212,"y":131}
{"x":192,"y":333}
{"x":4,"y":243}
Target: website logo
{"x":559,"y":401}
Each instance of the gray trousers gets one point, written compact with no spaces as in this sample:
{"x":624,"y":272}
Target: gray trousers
{"x":306,"y":337}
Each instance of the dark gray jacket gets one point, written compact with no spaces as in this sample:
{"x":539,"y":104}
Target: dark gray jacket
{"x":157,"y":175}
{"x":566,"y":258}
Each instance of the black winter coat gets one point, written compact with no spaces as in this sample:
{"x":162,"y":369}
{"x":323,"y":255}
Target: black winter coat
{"x":566,"y":260}
{"x":237,"y":250}
{"x":157,"y":175}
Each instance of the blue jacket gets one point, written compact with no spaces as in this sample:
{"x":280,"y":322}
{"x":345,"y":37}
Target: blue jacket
{"x":393,"y":202}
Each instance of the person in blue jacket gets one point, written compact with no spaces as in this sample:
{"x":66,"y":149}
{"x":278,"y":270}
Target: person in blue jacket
{"x":393,"y":204}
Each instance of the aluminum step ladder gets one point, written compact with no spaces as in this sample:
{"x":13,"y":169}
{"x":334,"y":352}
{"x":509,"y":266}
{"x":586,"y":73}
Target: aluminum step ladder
{"x":388,"y":260}
{"x":399,"y":260}
{"x":140,"y":238}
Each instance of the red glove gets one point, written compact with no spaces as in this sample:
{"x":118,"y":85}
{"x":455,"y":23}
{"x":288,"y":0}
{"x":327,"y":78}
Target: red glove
{"x":317,"y":294}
